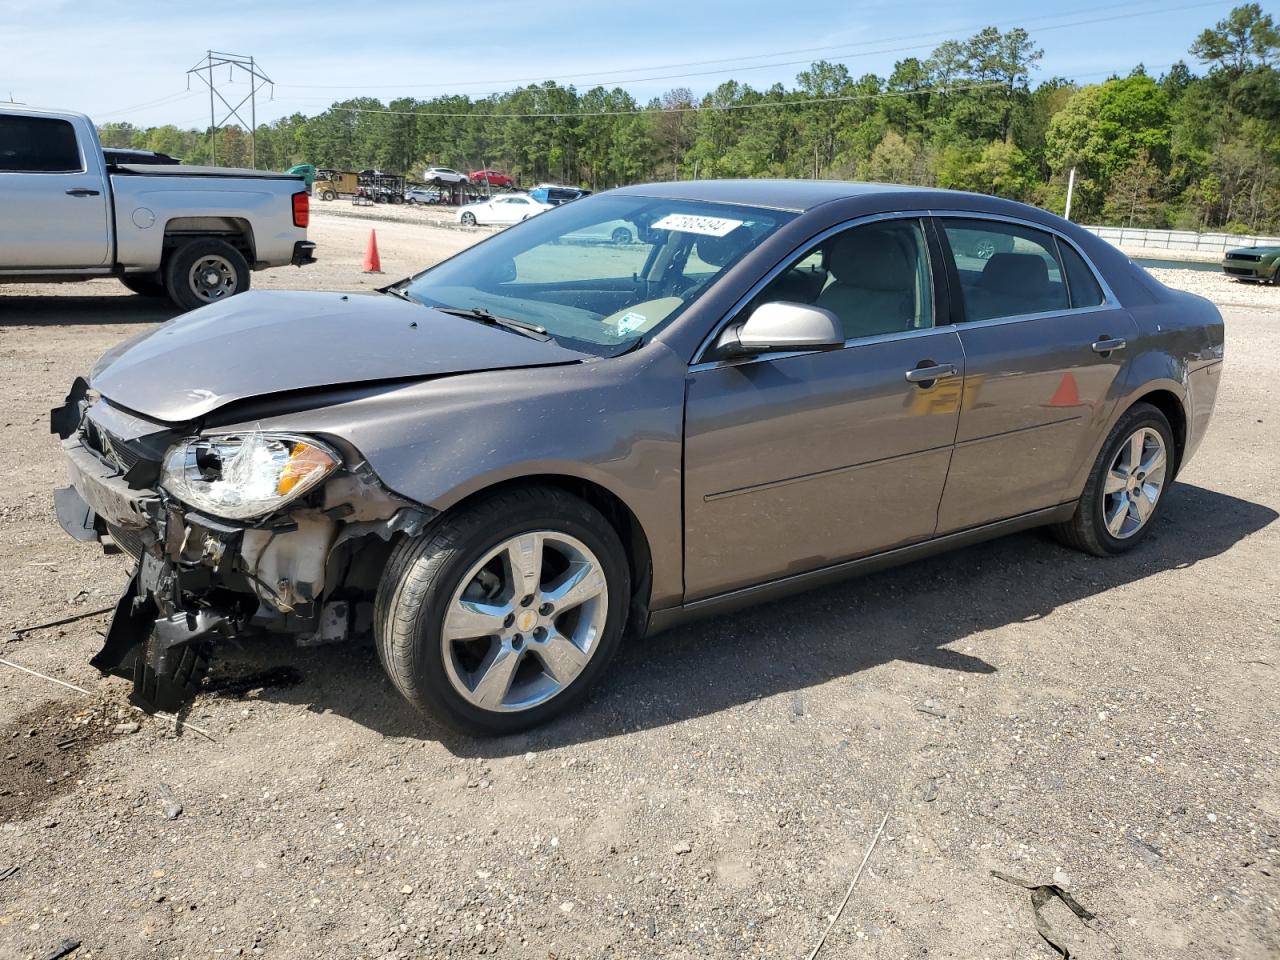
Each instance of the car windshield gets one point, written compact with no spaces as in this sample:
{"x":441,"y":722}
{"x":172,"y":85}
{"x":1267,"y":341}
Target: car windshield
{"x":600,"y":273}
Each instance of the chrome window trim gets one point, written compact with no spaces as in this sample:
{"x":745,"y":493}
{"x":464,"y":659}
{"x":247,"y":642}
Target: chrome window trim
{"x":804,"y":249}
{"x":1110,"y":301}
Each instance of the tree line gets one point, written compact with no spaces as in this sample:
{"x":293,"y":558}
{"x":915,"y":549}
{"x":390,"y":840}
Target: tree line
{"x":1187,"y":149}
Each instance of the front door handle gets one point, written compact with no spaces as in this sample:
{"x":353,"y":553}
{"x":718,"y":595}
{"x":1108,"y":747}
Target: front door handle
{"x":924,"y":376}
{"x":82,"y":192}
{"x":1107,"y":344}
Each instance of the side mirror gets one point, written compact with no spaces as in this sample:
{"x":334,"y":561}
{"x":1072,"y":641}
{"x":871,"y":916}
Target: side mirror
{"x":782,"y":327}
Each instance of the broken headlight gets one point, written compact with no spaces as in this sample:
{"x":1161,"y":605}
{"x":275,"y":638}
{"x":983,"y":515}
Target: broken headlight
{"x":240,"y":477}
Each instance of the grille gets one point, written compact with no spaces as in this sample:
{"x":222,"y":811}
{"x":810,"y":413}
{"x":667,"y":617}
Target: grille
{"x":1251,"y":257}
{"x":115,"y":451}
{"x":130,"y":541}
{"x":1239,"y":271}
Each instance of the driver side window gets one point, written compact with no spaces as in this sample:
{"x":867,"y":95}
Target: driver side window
{"x":875,"y":278}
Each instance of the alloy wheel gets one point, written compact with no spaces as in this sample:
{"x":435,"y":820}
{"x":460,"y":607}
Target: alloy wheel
{"x":1134,"y":483}
{"x":524,"y":621}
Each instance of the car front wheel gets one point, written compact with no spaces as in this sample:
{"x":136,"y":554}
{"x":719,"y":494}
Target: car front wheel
{"x":1127,"y":486}
{"x":505,"y":614}
{"x":469,"y":219}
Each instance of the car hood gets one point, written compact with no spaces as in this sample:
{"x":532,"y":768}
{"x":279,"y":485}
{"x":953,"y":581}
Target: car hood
{"x":258,"y":343}
{"x":1263,"y":251}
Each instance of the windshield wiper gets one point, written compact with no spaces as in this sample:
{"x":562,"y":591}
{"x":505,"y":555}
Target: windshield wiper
{"x":492,"y":319}
{"x":398,"y":291}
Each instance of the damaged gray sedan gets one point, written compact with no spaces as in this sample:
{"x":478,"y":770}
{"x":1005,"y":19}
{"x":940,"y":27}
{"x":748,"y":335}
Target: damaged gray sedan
{"x":500,"y":466}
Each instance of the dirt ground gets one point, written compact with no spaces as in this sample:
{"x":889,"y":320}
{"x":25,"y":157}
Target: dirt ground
{"x":1109,"y":726}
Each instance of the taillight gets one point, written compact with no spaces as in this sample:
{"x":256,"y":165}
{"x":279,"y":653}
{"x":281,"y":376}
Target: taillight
{"x":301,"y":209}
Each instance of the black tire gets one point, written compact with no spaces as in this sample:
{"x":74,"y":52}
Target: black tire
{"x":185,"y":291}
{"x":621,"y":235}
{"x":423,"y":573}
{"x":1086,"y":530}
{"x":144,"y":284}
{"x":328,"y":195}
{"x":468,"y":219}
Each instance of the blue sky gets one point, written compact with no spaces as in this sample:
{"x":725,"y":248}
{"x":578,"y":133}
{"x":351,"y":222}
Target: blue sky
{"x":119,"y":60}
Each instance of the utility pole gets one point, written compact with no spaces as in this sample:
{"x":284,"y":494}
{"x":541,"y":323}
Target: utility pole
{"x":1071,"y":188}
{"x":257,"y":80}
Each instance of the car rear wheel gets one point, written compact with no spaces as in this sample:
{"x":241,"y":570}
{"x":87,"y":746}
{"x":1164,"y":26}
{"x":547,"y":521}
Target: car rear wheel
{"x":204,"y":271}
{"x":1127,"y":486}
{"x":469,"y":219}
{"x":621,"y":235}
{"x":506,"y":613}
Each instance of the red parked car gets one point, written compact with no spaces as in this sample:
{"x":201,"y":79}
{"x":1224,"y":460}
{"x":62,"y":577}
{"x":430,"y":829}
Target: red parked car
{"x":491,"y":177}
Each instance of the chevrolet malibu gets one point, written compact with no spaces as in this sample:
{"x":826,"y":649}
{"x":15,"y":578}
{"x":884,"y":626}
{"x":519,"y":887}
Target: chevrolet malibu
{"x":502,"y":465}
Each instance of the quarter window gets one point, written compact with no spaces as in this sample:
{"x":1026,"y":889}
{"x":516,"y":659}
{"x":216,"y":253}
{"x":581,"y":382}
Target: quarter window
{"x":1006,"y":270}
{"x":1081,"y":283}
{"x":875,"y":278}
{"x":38,"y":145}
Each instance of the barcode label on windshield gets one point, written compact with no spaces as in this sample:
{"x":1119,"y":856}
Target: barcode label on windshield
{"x":707,"y":226}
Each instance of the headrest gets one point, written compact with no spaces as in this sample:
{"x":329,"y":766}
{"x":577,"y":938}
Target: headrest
{"x":871,"y":258}
{"x":719,"y":251}
{"x":1016,"y":274}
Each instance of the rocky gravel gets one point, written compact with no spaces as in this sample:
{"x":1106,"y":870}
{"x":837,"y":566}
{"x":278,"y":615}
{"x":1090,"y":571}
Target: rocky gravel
{"x":1108,"y":726}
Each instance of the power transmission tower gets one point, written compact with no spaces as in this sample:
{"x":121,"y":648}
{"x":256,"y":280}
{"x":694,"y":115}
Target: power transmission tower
{"x":257,"y":80}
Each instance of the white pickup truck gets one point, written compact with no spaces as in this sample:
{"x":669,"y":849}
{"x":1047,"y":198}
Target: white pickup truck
{"x":193,"y":233}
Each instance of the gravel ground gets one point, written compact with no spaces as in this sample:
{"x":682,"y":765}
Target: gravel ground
{"x":1106,"y":725}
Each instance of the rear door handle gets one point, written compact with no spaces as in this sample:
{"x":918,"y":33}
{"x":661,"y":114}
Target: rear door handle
{"x":926,"y":375}
{"x":82,"y":192}
{"x":1107,"y":344}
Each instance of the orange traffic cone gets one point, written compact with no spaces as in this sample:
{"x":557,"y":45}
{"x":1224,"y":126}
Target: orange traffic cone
{"x":372,"y":264}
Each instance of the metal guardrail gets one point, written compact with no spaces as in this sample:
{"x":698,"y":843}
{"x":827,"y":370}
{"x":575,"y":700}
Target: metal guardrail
{"x":1188,"y":240}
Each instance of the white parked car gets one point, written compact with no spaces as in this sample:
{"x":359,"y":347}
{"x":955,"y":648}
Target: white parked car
{"x":444,"y":175}
{"x":505,"y":208}
{"x":617,"y":232}
{"x":423,"y":195}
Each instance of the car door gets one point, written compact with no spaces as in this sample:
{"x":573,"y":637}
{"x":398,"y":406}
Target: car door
{"x":793,"y":461}
{"x":52,"y":196}
{"x":506,"y":209}
{"x":1043,"y":342}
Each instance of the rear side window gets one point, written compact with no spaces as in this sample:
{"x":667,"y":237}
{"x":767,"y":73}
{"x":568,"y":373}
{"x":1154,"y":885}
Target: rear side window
{"x":1006,"y":270}
{"x":1082,"y":284}
{"x":38,"y":145}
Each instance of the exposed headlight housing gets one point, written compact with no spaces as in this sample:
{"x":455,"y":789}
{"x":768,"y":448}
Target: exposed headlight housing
{"x":243,"y":476}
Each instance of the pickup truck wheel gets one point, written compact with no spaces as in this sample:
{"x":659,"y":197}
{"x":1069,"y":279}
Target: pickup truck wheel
{"x":144,"y":285}
{"x":201,"y":272}
{"x":504,"y":614}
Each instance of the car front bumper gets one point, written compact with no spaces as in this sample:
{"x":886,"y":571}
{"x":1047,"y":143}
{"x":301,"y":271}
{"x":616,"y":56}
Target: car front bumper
{"x":198,"y":578}
{"x":1249,"y":269}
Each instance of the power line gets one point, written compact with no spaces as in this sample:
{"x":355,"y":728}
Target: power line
{"x":866,"y":53}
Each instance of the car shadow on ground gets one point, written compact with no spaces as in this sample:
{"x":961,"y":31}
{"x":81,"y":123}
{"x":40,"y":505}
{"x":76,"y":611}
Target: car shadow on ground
{"x":914,"y":614}
{"x":82,"y":310}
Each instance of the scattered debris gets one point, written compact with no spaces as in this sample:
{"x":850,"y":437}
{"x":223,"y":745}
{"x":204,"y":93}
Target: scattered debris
{"x":125,"y":728}
{"x":61,"y":950}
{"x":7,"y":872}
{"x":19,"y":631}
{"x":933,"y":709}
{"x":169,"y":803}
{"x":682,"y":848}
{"x":848,"y":893}
{"x":1150,"y":855}
{"x":929,"y":792}
{"x":1042,"y":893}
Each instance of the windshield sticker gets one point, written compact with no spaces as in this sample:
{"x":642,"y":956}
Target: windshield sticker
{"x":629,"y":322}
{"x":706,"y":226}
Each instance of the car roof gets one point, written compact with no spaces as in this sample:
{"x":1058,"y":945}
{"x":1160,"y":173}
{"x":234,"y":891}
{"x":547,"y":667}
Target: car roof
{"x":794,"y":195}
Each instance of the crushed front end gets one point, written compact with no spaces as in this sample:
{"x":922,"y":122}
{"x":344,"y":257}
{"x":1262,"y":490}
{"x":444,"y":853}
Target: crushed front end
{"x":298,"y":531}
